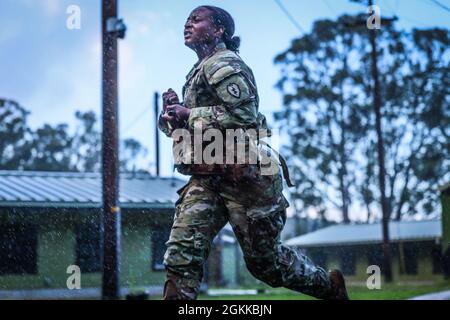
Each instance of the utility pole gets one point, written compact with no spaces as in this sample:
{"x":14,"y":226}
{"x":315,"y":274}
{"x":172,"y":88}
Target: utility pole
{"x":387,"y":269}
{"x":380,"y":147}
{"x":156,"y":102}
{"x":112,"y":28}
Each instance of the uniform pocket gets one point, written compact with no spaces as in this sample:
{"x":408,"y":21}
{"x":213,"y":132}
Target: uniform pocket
{"x":181,"y":193}
{"x":180,"y":247}
{"x":264,"y":232}
{"x":186,"y":246}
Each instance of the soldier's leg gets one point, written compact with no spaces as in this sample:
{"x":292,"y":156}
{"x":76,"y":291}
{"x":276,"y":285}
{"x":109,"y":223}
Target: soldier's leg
{"x":270,"y":261}
{"x":199,"y":215}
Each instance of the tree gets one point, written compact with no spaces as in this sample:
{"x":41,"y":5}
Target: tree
{"x":325,"y":113}
{"x":415,"y":119}
{"x":417,"y":173}
{"x":14,"y":135}
{"x":326,"y":85}
{"x":52,"y":147}
{"x":130,"y":152}
{"x":86,"y":146}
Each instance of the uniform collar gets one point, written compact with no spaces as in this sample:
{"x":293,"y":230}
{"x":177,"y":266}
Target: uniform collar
{"x":219,"y":47}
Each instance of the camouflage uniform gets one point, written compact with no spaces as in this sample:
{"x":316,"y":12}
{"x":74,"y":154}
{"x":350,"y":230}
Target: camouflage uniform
{"x":222,"y":93}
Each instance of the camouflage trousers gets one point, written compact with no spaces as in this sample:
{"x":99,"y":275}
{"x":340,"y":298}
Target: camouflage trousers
{"x":256,"y":209}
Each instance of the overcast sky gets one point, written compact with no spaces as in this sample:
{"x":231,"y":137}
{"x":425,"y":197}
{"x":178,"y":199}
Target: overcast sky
{"x":53,"y":71}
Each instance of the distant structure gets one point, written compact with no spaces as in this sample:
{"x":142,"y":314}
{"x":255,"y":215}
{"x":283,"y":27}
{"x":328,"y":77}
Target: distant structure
{"x":420,"y":249}
{"x":50,"y":220}
{"x":445,"y":200}
{"x":416,"y":248}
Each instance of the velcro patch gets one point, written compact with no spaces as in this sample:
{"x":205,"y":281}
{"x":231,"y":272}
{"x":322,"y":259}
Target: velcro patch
{"x":234,"y":90}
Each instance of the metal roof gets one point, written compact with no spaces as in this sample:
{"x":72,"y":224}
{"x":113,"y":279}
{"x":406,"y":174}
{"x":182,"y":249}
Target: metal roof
{"x":76,"y":189}
{"x":346,"y":234}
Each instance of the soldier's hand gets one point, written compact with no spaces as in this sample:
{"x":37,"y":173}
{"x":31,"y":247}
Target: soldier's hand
{"x":176,"y":115}
{"x":169,"y":97}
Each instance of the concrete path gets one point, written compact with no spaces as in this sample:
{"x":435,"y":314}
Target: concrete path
{"x":84,"y":293}
{"x":443,"y":295}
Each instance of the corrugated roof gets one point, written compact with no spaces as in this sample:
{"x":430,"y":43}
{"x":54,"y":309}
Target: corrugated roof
{"x":75,"y":189}
{"x":369,"y":233}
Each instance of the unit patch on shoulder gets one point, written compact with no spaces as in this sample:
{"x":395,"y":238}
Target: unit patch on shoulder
{"x":234,"y":90}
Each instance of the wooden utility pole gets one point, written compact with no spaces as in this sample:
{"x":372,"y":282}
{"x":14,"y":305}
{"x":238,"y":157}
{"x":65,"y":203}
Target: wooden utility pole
{"x":111,"y":30}
{"x":380,"y":147}
{"x":156,"y":102}
{"x":387,"y":269}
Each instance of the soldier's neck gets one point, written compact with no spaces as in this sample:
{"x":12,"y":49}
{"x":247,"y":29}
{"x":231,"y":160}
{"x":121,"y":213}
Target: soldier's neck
{"x":206,"y":50}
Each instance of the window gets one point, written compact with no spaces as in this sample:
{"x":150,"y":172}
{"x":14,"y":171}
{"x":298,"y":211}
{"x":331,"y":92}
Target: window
{"x":159,"y":238}
{"x":348,"y":261}
{"x":410,"y":254}
{"x":375,"y":256}
{"x":436,"y":256}
{"x":319,"y":257}
{"x":445,"y":264}
{"x":88,"y":247}
{"x":18,"y":249}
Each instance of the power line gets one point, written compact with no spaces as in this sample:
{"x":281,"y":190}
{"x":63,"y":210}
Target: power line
{"x":415,"y":22}
{"x":386,"y":3}
{"x":135,"y":120}
{"x":443,"y":6}
{"x":407,"y":18}
{"x":330,"y":7}
{"x":403,"y":17}
{"x":289,"y":16}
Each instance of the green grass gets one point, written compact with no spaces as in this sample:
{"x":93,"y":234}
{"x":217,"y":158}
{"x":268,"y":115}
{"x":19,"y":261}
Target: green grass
{"x":387,"y":292}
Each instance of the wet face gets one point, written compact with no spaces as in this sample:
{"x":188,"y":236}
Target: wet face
{"x":200,"y":29}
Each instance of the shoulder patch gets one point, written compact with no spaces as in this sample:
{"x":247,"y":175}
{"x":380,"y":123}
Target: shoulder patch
{"x":234,"y":90}
{"x":221,"y":74}
{"x":221,"y":65}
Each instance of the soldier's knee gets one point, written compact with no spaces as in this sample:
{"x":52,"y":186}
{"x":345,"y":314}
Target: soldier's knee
{"x":265,"y":270}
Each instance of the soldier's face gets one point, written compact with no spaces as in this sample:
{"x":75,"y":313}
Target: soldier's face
{"x":200,"y":29}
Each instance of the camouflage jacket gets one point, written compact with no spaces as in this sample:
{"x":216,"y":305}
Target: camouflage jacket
{"x":221,"y":92}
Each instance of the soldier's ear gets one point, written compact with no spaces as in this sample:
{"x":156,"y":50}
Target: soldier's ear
{"x":220,"y":30}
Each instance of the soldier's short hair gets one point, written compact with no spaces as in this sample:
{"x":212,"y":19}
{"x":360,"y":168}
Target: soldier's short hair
{"x":222,"y":18}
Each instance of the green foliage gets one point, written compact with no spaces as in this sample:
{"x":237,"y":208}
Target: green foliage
{"x":327,"y":94}
{"x":387,"y":292}
{"x":53,"y":148}
{"x":13,"y":133}
{"x":49,"y":149}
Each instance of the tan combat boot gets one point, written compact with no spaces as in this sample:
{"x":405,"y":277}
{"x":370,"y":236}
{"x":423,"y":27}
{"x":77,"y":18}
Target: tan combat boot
{"x":338,"y":290}
{"x":173,"y":291}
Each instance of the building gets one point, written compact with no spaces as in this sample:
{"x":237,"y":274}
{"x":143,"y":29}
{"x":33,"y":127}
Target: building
{"x":420,"y":249}
{"x":50,"y":221}
{"x":445,"y":201}
{"x":416,"y":249}
{"x":226,"y":266}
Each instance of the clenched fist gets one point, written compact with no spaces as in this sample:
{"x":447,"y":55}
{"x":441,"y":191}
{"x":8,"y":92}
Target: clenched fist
{"x":174,"y":113}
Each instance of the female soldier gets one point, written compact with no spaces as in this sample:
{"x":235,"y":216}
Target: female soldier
{"x":220,"y":93}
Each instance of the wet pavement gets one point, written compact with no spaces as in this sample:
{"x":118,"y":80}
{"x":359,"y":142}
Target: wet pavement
{"x":443,"y":295}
